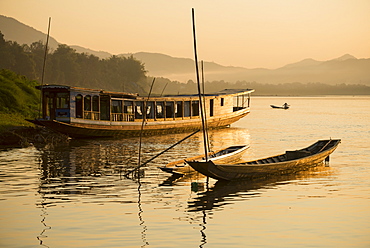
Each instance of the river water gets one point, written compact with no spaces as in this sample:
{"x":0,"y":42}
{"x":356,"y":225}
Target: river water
{"x":75,"y":194}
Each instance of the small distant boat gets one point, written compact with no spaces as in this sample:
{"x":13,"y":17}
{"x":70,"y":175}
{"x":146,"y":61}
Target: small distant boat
{"x":226,"y":155}
{"x":285,"y":106}
{"x":289,"y":162}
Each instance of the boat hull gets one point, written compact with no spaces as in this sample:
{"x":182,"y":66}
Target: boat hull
{"x":249,"y":170}
{"x":127,"y":129}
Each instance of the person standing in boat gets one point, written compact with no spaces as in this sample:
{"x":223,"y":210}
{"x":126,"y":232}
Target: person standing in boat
{"x":286,"y":105}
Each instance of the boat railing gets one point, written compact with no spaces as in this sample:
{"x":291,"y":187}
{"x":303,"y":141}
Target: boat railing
{"x":96,"y":116}
{"x":116,"y":117}
{"x":122,"y":117}
{"x":91,"y":115}
{"x":87,"y":115}
{"x":129,"y":117}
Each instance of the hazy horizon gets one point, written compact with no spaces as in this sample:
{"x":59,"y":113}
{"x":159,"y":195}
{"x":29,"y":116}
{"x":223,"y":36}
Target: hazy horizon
{"x":251,"y":34}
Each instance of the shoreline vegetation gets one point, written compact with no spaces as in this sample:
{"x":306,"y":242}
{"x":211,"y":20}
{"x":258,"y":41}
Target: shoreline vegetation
{"x":20,"y":100}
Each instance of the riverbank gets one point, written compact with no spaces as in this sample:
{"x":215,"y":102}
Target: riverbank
{"x":24,"y":136}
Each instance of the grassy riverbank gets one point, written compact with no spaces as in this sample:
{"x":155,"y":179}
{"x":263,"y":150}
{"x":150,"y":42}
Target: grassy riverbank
{"x":19,"y":100}
{"x":11,"y":120}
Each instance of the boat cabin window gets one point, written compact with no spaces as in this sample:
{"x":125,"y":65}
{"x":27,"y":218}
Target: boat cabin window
{"x":79,"y":106}
{"x":116,"y":106}
{"x":95,"y":104}
{"x":139,"y":110}
{"x":195,"y":108}
{"x":170,"y":110}
{"x":87,"y":107}
{"x":211,"y":107}
{"x":62,"y":100}
{"x":128,"y":107}
{"x":87,"y":103}
{"x":104,"y":108}
{"x":128,"y":110}
{"x":241,"y":102}
{"x":186,"y":108}
{"x":179,"y":109}
{"x":150,"y":110}
{"x":116,"y":110}
{"x":55,"y":104}
{"x":95,"y":108}
{"x":50,"y":107}
{"x":160,"y":110}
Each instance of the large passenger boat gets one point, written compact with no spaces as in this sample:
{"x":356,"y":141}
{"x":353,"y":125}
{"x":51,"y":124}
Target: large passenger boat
{"x":82,"y":113}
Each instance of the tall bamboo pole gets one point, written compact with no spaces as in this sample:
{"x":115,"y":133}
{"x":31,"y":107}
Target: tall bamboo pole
{"x":199,"y":90}
{"x":43,"y":67}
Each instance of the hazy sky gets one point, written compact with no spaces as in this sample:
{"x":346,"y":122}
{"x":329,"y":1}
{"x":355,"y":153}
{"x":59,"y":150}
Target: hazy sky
{"x":248,"y":33}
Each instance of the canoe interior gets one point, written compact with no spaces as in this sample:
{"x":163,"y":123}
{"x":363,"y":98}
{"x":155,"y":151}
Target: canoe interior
{"x":319,"y":146}
{"x":225,"y":155}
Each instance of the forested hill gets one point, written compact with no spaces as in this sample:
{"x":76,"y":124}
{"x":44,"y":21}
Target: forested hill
{"x":67,"y":67}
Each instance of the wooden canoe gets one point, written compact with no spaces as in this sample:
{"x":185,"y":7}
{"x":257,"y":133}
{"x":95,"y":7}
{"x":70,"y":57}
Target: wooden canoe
{"x":279,"y":107}
{"x":289,"y":162}
{"x":226,"y":155}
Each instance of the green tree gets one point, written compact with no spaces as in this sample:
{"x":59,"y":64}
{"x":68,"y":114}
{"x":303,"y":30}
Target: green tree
{"x":7,"y":60}
{"x":37,"y":51}
{"x":64,"y":66}
{"x":24,"y":63}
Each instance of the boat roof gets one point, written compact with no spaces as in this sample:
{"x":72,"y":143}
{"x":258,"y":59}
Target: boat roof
{"x":81,"y":89}
{"x":220,"y":93}
{"x":232,"y":92}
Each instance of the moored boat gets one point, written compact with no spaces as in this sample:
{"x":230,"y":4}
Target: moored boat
{"x":289,"y":162}
{"x":82,"y":113}
{"x":226,"y":155}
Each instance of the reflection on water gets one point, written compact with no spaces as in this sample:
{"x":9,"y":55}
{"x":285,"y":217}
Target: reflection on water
{"x":140,"y":215}
{"x":90,"y":171}
{"x":43,"y":234}
{"x":224,"y":193}
{"x":220,"y":194}
{"x":78,"y":167}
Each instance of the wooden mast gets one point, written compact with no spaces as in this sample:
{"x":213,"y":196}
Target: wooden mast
{"x":199,"y":90}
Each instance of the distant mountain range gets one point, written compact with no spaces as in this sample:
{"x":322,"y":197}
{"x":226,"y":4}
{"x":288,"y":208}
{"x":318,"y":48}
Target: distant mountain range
{"x":345,"y":69}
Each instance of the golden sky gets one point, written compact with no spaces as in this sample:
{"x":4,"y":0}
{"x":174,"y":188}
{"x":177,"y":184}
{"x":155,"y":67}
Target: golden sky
{"x":247,"y":33}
